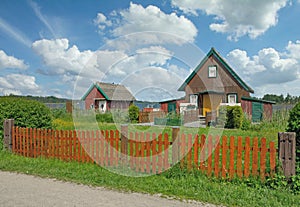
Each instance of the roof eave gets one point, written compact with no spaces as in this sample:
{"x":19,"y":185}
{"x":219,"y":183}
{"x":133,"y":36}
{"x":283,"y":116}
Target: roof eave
{"x":230,"y":70}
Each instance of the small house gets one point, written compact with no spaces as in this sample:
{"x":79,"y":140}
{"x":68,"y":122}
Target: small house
{"x":106,"y":96}
{"x":214,"y":83}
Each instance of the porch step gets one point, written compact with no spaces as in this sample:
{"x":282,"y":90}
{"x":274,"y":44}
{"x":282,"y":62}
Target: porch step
{"x":202,"y":119}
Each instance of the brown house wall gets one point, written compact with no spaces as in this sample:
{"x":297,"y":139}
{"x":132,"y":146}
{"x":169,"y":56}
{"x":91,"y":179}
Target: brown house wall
{"x":222,"y":83}
{"x":90,"y":98}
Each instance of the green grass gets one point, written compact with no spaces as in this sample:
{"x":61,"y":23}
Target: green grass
{"x":175,"y":182}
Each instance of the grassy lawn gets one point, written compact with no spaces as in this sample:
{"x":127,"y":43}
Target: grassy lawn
{"x":174,"y":183}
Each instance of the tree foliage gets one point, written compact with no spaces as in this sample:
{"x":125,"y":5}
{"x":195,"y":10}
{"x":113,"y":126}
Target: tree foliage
{"x":280,"y":99}
{"x":294,"y":125}
{"x":234,"y":117}
{"x":26,"y":113}
{"x":133,"y":113}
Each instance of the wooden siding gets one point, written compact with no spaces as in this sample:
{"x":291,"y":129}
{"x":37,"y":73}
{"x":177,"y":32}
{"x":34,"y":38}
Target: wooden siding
{"x":90,"y":98}
{"x":224,"y":82}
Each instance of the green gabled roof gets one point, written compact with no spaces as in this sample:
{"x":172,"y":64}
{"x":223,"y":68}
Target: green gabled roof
{"x":222,"y":61}
{"x":91,"y":88}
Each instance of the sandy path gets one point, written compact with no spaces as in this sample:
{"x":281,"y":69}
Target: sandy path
{"x":26,"y":190}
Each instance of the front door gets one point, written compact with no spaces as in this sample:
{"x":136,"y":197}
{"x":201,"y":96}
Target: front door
{"x":200,"y":104}
{"x":257,"y":111}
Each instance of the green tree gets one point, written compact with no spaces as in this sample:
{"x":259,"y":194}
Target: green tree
{"x":294,"y":125}
{"x":26,"y":113}
{"x":133,"y":113}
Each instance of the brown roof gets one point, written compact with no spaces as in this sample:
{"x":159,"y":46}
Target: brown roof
{"x":115,"y":92}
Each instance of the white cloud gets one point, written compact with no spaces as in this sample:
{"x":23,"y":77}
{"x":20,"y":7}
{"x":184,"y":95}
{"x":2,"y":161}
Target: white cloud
{"x":236,"y":18}
{"x":62,"y":58}
{"x":11,"y":62}
{"x":78,"y":69}
{"x":268,"y":69}
{"x":294,"y":50}
{"x":102,"y":21}
{"x":154,"y":25}
{"x":18,"y":84}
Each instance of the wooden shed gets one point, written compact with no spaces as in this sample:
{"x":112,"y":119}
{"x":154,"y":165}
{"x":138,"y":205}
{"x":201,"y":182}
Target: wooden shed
{"x":173,"y":105}
{"x":257,"y":109}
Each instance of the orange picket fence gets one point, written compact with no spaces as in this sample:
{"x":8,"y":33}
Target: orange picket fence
{"x":151,"y":153}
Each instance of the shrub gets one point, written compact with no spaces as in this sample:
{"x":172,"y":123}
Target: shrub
{"x":222,"y":116}
{"x":26,"y":113}
{"x":294,"y":125}
{"x":133,"y":113}
{"x":234,"y":117}
{"x":106,"y":117}
{"x":246,"y":123}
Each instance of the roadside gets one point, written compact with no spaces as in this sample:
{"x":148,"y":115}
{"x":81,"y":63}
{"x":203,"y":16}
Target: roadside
{"x":27,"y":190}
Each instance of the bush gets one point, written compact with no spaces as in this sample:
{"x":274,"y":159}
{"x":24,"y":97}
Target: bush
{"x":133,"y":113}
{"x":294,"y":125}
{"x":246,"y":123}
{"x":26,"y":113}
{"x":234,"y":117}
{"x":106,"y":117}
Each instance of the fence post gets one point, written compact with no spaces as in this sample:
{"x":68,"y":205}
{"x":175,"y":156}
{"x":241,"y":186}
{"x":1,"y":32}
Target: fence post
{"x":124,"y":143}
{"x":287,"y":152}
{"x":7,"y":133}
{"x":175,"y":145}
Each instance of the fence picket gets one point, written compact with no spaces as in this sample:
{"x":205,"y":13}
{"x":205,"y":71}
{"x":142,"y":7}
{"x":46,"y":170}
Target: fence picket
{"x":202,"y":153}
{"x":160,"y":157}
{"x":209,"y":155}
{"x":142,"y":154}
{"x":239,"y":158}
{"x":255,"y":156}
{"x":131,"y":144}
{"x":247,"y":157}
{"x":224,"y":157}
{"x":154,"y":154}
{"x":148,"y":154}
{"x":263,"y":152}
{"x":231,"y":159}
{"x":182,"y":150}
{"x":166,"y":151}
{"x":196,"y":150}
{"x":217,"y":156}
{"x":189,"y":154}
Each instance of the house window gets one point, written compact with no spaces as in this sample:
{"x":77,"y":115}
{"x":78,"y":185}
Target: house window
{"x":232,"y":98}
{"x":212,"y":71}
{"x":194,"y":99}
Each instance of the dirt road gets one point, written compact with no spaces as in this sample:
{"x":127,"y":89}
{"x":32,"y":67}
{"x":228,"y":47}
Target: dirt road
{"x":26,"y":190}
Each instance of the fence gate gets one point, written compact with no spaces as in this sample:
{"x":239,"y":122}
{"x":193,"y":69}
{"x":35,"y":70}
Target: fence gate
{"x":287,"y":152}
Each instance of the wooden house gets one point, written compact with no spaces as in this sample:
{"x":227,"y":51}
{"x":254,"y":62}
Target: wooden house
{"x":213,"y":83}
{"x":106,"y":96}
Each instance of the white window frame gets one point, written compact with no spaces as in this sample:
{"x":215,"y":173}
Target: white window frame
{"x":194,"y":99}
{"x":212,"y":71}
{"x":230,"y":96}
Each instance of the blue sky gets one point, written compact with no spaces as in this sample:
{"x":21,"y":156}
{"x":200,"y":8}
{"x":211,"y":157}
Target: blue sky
{"x":60,"y":47}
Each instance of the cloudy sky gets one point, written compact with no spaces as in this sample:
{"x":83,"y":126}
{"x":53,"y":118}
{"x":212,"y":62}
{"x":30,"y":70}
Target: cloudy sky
{"x":61,"y":47}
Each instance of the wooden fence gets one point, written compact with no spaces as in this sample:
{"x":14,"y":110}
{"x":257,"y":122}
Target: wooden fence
{"x":149,"y":116}
{"x":151,"y":153}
